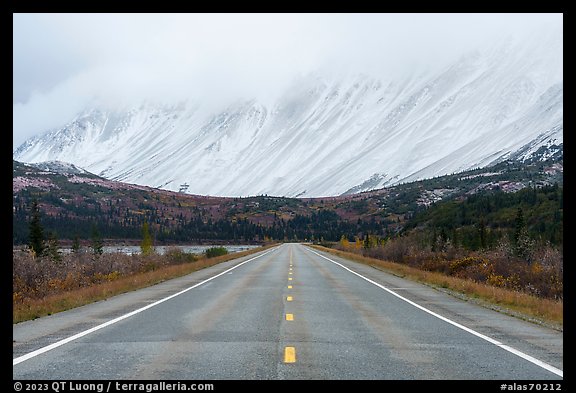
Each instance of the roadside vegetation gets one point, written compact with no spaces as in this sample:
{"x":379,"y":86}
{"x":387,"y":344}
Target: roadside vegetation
{"x":44,"y":285}
{"x":498,"y":277}
{"x":213,"y":252}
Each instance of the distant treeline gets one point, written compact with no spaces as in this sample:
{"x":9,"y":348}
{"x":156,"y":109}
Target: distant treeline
{"x":477,"y":221}
{"x":324,"y":224}
{"x":481,"y":220}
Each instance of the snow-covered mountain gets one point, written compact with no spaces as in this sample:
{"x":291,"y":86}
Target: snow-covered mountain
{"x":328,"y":136}
{"x":60,"y":167}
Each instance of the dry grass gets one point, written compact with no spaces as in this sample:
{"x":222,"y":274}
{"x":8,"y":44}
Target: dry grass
{"x":549,"y":312}
{"x":31,"y":308}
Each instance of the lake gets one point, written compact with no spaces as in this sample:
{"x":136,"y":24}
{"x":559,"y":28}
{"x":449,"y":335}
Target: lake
{"x":192,"y":249}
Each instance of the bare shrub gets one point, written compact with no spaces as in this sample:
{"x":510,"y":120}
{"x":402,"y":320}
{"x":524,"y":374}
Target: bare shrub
{"x":36,"y":277}
{"x":395,"y":249}
{"x":435,"y":263}
{"x":175,"y":256}
{"x":538,"y":271}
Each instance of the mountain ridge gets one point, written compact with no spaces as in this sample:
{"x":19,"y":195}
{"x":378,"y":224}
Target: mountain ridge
{"x":326,"y":137}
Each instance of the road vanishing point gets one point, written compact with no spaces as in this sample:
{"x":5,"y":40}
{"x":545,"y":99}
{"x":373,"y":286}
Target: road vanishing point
{"x":289,"y":312}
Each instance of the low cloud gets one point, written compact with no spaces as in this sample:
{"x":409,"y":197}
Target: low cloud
{"x":63,"y":62}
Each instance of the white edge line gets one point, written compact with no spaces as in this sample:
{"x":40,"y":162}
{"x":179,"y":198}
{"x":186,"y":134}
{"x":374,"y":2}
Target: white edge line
{"x":57,"y":344}
{"x":482,"y":336}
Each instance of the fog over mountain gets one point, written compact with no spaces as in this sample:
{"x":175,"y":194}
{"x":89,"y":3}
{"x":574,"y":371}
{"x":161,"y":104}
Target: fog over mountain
{"x":319,"y":132}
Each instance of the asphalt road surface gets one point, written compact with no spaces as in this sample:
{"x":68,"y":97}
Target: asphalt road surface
{"x":289,"y":312}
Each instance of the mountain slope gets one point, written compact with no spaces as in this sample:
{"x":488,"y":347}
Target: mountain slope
{"x":72,"y":203}
{"x":326,"y":137}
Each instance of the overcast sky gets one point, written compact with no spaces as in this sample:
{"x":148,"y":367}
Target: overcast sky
{"x":64,"y":62}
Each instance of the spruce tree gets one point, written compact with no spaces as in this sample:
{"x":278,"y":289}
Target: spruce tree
{"x":519,"y":226}
{"x":96,"y":242}
{"x":52,"y":247}
{"x":523,"y":244}
{"x":482,"y":233}
{"x":76,"y":245}
{"x":36,"y":236}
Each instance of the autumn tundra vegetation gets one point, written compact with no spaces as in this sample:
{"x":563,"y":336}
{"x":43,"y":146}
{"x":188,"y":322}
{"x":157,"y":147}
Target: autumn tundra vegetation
{"x":45,"y":284}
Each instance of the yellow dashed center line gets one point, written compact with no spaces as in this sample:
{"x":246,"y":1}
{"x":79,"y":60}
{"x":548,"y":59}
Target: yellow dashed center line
{"x":290,"y":352}
{"x":289,"y":355}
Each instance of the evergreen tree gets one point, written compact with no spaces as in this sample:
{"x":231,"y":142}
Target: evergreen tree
{"x":523,"y":245}
{"x":96,"y":242}
{"x":482,"y":233}
{"x":519,"y":225}
{"x":52,"y":247}
{"x":455,"y":239}
{"x":36,"y":236}
{"x":76,"y":245}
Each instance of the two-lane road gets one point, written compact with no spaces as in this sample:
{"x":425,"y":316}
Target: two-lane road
{"x":287,"y":313}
